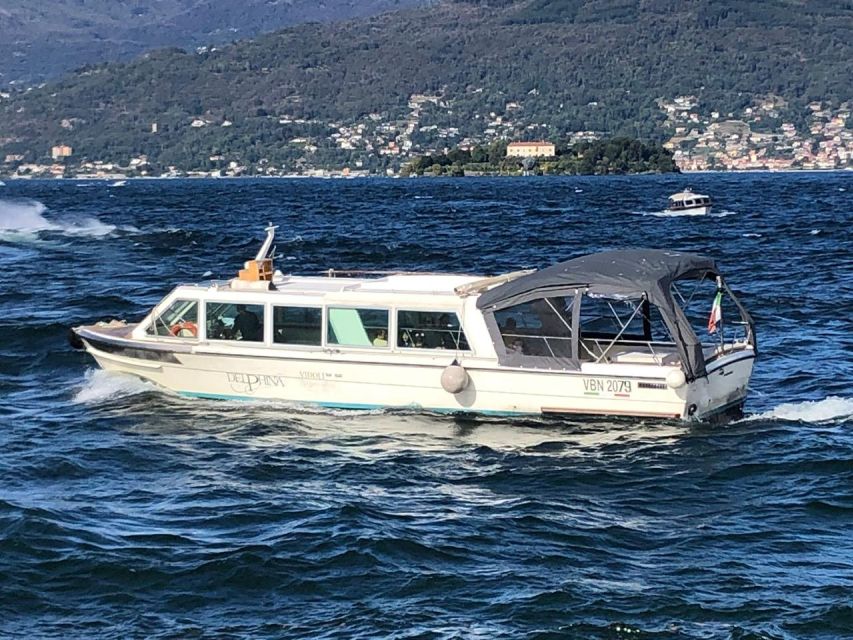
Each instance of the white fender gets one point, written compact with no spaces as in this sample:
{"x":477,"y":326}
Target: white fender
{"x":454,"y":378}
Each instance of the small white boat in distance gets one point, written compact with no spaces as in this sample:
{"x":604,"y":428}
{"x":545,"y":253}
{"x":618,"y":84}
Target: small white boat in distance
{"x":688,"y":203}
{"x":604,"y":334}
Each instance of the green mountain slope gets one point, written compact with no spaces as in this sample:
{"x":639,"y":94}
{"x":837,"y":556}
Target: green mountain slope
{"x":42,"y":39}
{"x":549,"y":66}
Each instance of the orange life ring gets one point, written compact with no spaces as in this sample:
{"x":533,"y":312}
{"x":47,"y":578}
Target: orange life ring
{"x":176,"y":329}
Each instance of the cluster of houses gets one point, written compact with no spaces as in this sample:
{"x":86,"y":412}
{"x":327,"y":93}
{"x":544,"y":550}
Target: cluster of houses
{"x":757,"y":138}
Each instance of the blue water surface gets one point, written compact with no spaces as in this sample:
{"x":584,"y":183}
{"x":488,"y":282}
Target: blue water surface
{"x":127,"y":512}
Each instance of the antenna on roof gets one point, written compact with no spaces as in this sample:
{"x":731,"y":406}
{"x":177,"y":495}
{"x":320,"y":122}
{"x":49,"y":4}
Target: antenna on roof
{"x":260,"y":269}
{"x":265,"y":247}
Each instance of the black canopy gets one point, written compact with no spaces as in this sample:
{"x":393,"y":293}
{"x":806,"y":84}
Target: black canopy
{"x":630,"y":274}
{"x":625,"y":272}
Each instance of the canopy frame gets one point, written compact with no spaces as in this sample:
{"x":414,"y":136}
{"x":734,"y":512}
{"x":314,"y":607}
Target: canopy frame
{"x":647,"y":275}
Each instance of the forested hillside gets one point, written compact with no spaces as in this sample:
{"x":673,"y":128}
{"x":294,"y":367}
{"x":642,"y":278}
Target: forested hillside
{"x":40,"y":39}
{"x":549,"y":67}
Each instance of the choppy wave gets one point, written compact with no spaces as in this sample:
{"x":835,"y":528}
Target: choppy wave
{"x":99,"y":386}
{"x":27,"y":218}
{"x":831,"y":408}
{"x":126,"y":507}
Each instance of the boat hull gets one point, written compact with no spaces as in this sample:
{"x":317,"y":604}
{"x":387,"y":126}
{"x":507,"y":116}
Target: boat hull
{"x":359,"y":381}
{"x":690,"y":211}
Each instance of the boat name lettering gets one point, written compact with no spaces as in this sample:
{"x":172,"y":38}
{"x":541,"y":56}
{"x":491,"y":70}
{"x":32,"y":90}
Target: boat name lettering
{"x":607,"y":385}
{"x":249,"y":382}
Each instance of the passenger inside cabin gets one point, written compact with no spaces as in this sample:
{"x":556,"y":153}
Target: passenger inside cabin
{"x":446,"y":332}
{"x":513,"y":342}
{"x":381,"y":339}
{"x":246,"y":324}
{"x":217,"y":330}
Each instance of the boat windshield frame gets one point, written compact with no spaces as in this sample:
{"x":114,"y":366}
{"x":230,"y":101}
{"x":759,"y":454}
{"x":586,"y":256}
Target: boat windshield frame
{"x":620,"y":275}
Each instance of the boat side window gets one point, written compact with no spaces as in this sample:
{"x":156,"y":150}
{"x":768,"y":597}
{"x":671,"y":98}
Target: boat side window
{"x":297,"y":325}
{"x":357,"y":327}
{"x":179,"y":320}
{"x":538,"y":328}
{"x":603,"y":318}
{"x":229,"y":321}
{"x":430,"y":330}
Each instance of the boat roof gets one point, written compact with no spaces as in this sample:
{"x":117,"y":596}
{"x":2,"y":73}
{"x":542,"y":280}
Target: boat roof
{"x":682,"y":195}
{"x":432,"y":283}
{"x":624,"y":272}
{"x":392,"y":283}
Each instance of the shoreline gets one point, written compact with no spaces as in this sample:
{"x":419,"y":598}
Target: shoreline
{"x":341,"y":176}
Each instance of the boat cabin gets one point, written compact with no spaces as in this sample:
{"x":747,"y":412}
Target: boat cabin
{"x":688,"y":200}
{"x":631,"y":307}
{"x":390,"y":313}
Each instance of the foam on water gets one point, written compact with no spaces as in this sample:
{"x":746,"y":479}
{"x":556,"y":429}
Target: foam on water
{"x":684,"y":214}
{"x":102,"y":386}
{"x":669,"y":214}
{"x":20,"y":219}
{"x":830,"y":408}
{"x":24,"y":216}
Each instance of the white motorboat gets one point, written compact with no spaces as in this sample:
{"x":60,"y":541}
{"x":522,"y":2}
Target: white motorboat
{"x":612,"y":333}
{"x":688,"y":203}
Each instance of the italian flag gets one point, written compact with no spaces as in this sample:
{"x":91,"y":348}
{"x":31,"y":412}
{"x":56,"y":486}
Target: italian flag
{"x":716,"y":312}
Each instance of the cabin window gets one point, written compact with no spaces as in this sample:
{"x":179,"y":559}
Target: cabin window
{"x":357,"y":327}
{"x":179,"y":320}
{"x":538,"y":328}
{"x":698,"y":302}
{"x":297,"y":325}
{"x":227,"y":321}
{"x":430,"y":330}
{"x":607,"y":317}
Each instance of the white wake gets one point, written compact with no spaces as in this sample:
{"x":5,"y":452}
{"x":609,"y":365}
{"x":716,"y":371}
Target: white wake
{"x":830,"y":408}
{"x":26,"y":218}
{"x":684,"y":214}
{"x":100,"y":386}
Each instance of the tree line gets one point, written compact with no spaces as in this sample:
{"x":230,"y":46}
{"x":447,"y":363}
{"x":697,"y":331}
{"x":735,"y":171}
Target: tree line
{"x":600,"y":157}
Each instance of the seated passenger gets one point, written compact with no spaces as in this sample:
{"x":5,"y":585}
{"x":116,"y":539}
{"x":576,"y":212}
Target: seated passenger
{"x":508,"y":331}
{"x":381,"y":339}
{"x":516,"y":346}
{"x":247,"y":325}
{"x":217,"y":330}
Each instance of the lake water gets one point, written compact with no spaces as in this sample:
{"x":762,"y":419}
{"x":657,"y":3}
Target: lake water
{"x":126,"y":512}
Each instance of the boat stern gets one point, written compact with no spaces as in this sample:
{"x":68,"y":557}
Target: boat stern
{"x":722,"y":392}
